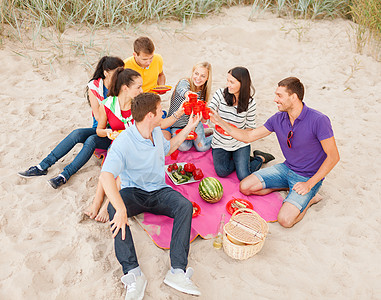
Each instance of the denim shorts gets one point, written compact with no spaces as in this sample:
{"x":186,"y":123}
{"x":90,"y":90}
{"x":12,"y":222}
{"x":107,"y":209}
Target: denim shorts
{"x":282,"y":177}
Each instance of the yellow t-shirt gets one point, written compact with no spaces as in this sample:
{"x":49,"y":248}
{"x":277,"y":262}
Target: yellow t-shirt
{"x":149,"y":75}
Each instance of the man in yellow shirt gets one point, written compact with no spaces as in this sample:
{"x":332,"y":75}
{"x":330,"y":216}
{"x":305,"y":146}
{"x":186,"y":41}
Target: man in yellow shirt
{"x":148,"y":64}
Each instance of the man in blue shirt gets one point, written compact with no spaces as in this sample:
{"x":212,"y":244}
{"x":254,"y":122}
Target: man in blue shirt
{"x":307,"y":142}
{"x":137,"y":156}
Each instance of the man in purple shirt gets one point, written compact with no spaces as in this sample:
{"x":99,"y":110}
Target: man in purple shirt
{"x":307,"y":142}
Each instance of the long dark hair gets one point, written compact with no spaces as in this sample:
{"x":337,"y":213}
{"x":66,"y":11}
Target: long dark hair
{"x":121,"y":77}
{"x":106,"y":63}
{"x":246,"y":91}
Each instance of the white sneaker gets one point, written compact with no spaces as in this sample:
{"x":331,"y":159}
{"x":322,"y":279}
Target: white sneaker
{"x":182,"y":282}
{"x":135,"y":286}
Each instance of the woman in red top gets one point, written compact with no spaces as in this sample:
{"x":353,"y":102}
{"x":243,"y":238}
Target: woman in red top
{"x":115,"y":110}
{"x":97,"y":90}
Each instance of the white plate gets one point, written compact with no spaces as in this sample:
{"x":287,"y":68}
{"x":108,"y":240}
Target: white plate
{"x":173,"y":180}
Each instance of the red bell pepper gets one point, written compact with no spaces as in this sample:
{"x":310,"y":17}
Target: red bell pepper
{"x":189,"y":167}
{"x":175,"y":166}
{"x":197,"y":174}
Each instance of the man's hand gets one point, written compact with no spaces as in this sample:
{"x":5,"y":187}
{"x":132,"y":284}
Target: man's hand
{"x":177,"y":140}
{"x":180,"y":110}
{"x":193,"y":121}
{"x":302,"y":188}
{"x":119,"y":222}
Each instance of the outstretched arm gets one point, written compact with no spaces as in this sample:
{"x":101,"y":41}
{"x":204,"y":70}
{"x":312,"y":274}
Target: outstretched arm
{"x":120,"y":220}
{"x":165,"y":123}
{"x":243,"y":135}
{"x":333,"y":157}
{"x":177,"y":140}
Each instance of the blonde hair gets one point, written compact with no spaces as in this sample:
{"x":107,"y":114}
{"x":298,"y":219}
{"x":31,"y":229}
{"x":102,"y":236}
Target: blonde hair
{"x":207,"y":87}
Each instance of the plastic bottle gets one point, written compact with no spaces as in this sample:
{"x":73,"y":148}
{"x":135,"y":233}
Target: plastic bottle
{"x":217,"y":243}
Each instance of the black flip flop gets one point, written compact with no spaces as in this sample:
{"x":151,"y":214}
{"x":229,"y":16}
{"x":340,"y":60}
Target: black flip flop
{"x":268,"y":157}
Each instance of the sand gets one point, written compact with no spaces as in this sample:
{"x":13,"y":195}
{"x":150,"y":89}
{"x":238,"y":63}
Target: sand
{"x":49,"y":250}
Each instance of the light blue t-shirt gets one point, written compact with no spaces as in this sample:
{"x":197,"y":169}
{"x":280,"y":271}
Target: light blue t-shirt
{"x":137,"y":161}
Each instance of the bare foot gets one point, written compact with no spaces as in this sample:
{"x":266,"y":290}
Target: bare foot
{"x":103,"y":214}
{"x":316,"y":199}
{"x":92,"y":210}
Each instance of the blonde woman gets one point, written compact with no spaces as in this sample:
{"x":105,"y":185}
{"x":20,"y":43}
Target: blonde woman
{"x":198,"y":83}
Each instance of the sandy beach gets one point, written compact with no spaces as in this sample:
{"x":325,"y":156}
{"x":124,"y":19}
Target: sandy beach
{"x":50,"y":250}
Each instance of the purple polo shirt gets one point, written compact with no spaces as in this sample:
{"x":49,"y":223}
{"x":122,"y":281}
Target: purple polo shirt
{"x":306,"y":154}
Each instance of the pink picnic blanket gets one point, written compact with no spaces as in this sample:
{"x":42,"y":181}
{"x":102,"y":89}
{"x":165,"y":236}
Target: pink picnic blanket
{"x":159,"y":228}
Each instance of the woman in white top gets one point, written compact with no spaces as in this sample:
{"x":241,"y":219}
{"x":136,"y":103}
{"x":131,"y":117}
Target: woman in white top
{"x":236,"y":105}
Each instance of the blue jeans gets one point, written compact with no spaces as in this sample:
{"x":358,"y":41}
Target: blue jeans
{"x":280,"y":176}
{"x":201,"y":143}
{"x":90,"y":141}
{"x":167,"y":202}
{"x":225,"y":162}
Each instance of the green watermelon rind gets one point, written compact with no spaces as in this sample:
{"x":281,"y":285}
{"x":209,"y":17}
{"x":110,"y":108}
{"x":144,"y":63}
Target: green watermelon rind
{"x":210,"y":188}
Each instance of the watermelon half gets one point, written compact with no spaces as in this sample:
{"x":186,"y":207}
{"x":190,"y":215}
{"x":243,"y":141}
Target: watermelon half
{"x":210,"y":189}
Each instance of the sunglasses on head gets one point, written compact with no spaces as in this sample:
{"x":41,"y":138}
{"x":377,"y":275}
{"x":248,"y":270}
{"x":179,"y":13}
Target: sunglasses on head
{"x":289,"y":137}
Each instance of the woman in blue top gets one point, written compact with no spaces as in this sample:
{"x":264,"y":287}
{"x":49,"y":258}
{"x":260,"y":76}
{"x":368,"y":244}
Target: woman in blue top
{"x":98,"y":87}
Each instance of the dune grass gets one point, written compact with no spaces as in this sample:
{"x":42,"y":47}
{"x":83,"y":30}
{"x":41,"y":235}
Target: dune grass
{"x":106,"y":13}
{"x":112,"y":13}
{"x":308,"y":9}
{"x":367,"y":14}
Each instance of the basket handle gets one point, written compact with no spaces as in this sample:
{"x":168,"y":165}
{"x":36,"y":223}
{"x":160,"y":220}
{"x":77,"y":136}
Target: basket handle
{"x":254,"y":232}
{"x":242,"y":210}
{"x":250,"y":211}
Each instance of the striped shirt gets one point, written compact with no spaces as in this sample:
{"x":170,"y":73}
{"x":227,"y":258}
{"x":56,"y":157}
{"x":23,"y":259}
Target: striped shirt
{"x":177,"y":98}
{"x":243,"y":120}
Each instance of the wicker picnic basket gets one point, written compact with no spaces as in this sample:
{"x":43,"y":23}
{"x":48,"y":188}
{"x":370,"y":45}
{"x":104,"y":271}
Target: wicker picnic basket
{"x":244,"y":234}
